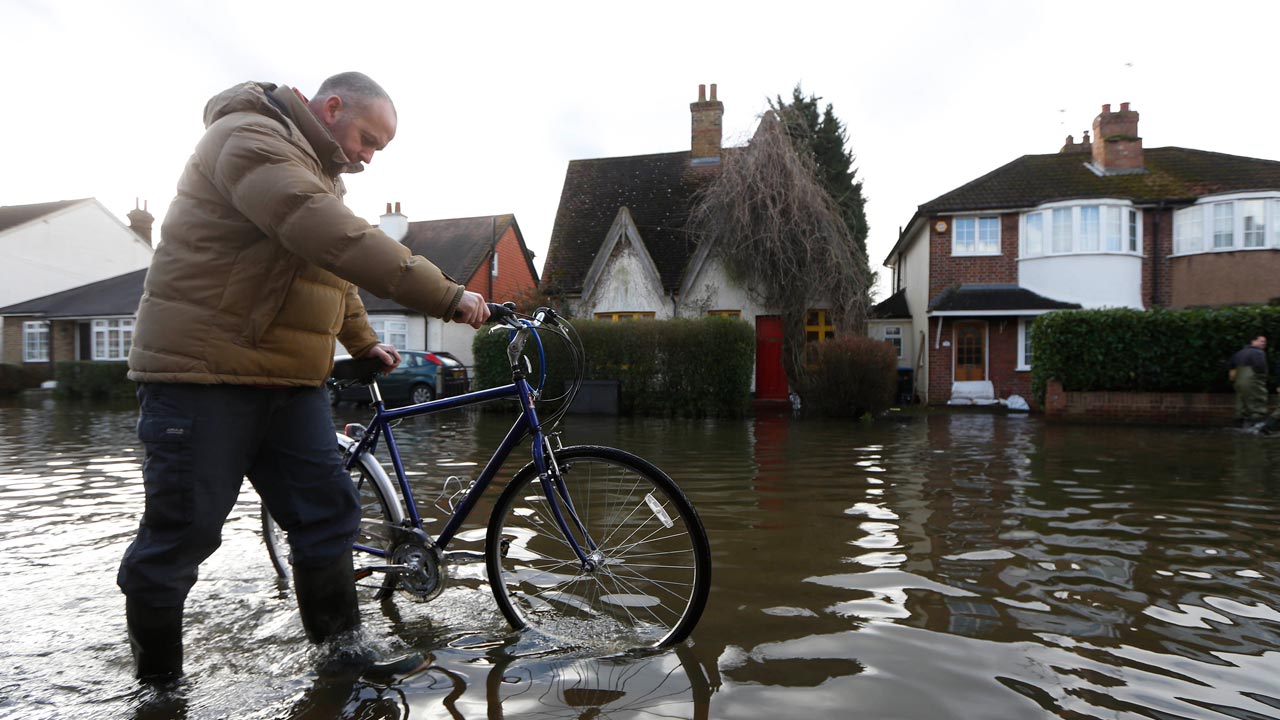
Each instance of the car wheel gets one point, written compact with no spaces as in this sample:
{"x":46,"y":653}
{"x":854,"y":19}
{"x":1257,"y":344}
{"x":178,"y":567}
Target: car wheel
{"x":333,"y":395}
{"x":421,"y":393}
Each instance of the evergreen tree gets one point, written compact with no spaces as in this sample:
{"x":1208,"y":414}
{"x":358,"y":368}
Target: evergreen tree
{"x":824,"y":140}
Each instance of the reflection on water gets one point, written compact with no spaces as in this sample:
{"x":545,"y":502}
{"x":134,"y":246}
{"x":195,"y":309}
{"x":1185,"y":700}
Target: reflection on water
{"x":956,"y":565}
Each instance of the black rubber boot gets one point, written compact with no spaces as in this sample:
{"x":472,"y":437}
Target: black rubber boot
{"x":327,"y":599}
{"x":155,"y":636}
{"x":331,"y":616}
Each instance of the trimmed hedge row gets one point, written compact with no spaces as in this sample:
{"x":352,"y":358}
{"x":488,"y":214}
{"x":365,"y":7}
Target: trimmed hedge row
{"x":14,"y":379}
{"x":93,"y":380}
{"x":683,"y":367}
{"x":1145,"y":351}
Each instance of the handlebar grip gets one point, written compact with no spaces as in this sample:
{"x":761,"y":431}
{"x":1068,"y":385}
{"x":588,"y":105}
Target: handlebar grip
{"x":501,"y":312}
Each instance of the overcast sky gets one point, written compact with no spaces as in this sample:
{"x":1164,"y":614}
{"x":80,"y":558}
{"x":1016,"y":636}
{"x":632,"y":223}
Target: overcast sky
{"x":496,"y":98}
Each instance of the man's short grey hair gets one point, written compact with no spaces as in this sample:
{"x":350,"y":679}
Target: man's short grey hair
{"x":354,"y":88}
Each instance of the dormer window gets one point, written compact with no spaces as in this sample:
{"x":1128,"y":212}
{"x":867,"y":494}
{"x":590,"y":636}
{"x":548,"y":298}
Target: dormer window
{"x":1222,"y":225}
{"x":1081,"y":228}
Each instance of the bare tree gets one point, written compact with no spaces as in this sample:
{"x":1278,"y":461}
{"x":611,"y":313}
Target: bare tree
{"x":782,"y":238}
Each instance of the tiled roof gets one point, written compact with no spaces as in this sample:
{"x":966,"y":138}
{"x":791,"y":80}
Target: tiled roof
{"x":12,"y":216}
{"x":1171,"y":173}
{"x":114,"y":296}
{"x":659,"y":190}
{"x":457,"y":246}
{"x":962,"y":298}
{"x":895,"y":306}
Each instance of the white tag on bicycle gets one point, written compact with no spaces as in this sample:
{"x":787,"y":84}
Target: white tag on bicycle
{"x":658,"y":512}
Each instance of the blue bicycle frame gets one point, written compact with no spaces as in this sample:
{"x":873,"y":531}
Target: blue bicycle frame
{"x":548,"y":474}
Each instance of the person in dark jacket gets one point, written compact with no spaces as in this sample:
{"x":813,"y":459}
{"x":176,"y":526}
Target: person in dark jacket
{"x":1248,"y":368}
{"x":251,"y":285}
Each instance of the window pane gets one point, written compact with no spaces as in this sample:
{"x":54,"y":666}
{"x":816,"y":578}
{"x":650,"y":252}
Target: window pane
{"x":1062,"y":230}
{"x":1223,"y":225}
{"x":1275,"y":223}
{"x":964,"y":230}
{"x":1112,"y":229}
{"x":989,"y":235}
{"x":1133,"y":231}
{"x":1035,"y":234}
{"x":1026,"y":342}
{"x":1188,"y":229}
{"x":1089,"y":227}
{"x":1255,"y":224}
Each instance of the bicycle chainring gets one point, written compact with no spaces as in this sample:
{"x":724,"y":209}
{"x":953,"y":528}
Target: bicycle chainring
{"x":425,"y":581}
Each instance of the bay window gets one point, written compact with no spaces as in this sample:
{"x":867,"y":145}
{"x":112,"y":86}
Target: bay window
{"x":1226,"y":225}
{"x":1081,"y":228}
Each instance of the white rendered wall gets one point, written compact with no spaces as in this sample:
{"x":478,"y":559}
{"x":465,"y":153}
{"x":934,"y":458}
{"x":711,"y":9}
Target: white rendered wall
{"x":1099,"y":280}
{"x":76,"y":246}
{"x":916,"y":278}
{"x":627,"y":285}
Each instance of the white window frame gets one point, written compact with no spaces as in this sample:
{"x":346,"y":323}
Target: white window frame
{"x":1024,"y":365}
{"x":979,"y":248}
{"x":493,"y":265}
{"x":391,"y":329}
{"x":110,"y":339}
{"x":892,"y":334}
{"x":1105,"y":226}
{"x":35,"y":341}
{"x":1200,"y":227}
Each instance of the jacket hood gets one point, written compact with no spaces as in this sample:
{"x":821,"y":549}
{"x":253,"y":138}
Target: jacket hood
{"x":283,"y":105}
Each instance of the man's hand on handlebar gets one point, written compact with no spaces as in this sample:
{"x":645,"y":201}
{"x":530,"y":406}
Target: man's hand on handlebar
{"x":471,"y":310}
{"x":387,"y":354}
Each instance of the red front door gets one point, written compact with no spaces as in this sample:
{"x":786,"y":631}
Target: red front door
{"x":771,"y":377}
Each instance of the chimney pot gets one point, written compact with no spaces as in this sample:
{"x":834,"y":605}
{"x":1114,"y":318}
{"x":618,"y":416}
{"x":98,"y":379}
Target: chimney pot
{"x":1070,"y":140}
{"x":702,"y":93}
{"x":713,"y":92}
{"x":1124,"y":107}
{"x":397,"y":207}
{"x":1106,"y":108}
{"x":388,"y":208}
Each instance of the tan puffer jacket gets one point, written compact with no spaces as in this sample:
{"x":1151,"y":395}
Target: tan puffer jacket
{"x":252,"y":280}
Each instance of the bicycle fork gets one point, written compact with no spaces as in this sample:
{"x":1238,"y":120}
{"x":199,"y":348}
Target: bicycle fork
{"x":556,"y":491}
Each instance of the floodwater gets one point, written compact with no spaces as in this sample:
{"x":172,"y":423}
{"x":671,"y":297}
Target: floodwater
{"x":927,"y":566}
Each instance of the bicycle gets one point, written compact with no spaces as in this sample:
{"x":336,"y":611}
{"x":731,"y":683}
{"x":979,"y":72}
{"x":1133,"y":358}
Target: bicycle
{"x":584,"y":542}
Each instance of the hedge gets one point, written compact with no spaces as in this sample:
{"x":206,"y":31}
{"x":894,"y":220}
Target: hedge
{"x":1145,"y":351}
{"x":849,"y":376}
{"x":14,"y":379}
{"x":687,"y":368}
{"x":93,"y":380}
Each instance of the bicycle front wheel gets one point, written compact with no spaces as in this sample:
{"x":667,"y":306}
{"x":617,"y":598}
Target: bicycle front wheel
{"x":650,"y":563}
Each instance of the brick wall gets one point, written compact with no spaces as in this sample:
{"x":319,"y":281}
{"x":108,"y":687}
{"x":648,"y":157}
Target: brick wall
{"x":1157,"y":269}
{"x":514,"y":276}
{"x":946,"y":270}
{"x":1136,"y":407}
{"x":1002,"y":358}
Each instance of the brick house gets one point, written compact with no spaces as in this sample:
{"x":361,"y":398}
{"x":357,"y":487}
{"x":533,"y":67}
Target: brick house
{"x":1101,"y":223}
{"x":487,"y":254}
{"x":619,"y":249}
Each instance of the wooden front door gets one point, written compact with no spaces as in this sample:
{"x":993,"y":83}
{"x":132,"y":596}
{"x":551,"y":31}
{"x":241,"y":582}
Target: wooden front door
{"x":771,"y":376}
{"x":971,"y":350}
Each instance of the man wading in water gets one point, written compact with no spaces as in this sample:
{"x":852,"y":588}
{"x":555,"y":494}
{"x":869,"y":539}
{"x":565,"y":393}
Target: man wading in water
{"x":253,"y":280}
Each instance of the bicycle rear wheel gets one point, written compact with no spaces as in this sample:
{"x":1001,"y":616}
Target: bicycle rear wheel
{"x":652,"y":561}
{"x":373,"y":541}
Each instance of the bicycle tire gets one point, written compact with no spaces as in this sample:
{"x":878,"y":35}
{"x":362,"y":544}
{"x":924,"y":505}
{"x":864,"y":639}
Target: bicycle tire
{"x":376,"y":517}
{"x":653,"y":570}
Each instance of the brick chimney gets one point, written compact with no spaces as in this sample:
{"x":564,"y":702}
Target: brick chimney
{"x":393,"y":223}
{"x":140,"y":221}
{"x":1116,"y":145}
{"x":707,"y":127}
{"x":1071,"y":146}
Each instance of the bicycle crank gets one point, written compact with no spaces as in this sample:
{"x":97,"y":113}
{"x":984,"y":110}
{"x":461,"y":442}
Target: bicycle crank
{"x":418,"y":570}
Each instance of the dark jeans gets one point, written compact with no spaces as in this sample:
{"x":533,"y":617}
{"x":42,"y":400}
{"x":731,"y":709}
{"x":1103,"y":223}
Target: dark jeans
{"x":201,"y":441}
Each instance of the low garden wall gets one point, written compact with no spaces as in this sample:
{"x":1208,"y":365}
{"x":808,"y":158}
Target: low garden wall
{"x":1169,"y":408}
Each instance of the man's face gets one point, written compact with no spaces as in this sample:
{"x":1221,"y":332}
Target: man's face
{"x":360,"y":132}
{"x":1260,"y":342}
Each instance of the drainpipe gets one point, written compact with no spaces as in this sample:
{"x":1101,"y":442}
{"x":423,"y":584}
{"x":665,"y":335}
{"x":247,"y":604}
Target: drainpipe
{"x":493,"y":251}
